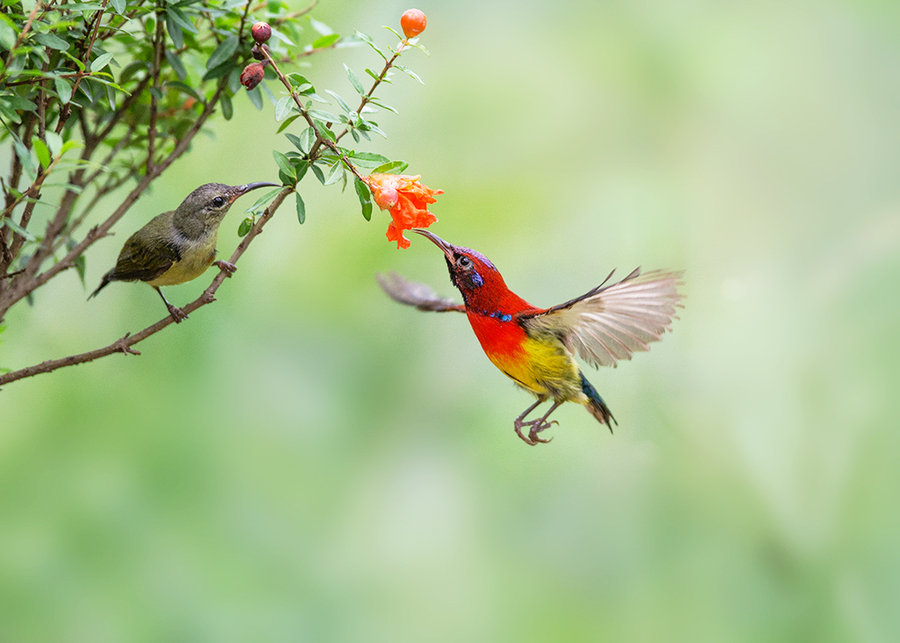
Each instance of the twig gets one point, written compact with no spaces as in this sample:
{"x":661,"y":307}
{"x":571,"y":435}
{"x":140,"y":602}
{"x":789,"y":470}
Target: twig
{"x":327,"y":142}
{"x":124,"y":344}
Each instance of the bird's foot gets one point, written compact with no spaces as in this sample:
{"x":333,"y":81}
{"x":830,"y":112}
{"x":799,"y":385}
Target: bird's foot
{"x":225,"y":266}
{"x":535,"y":427}
{"x":176,"y":313}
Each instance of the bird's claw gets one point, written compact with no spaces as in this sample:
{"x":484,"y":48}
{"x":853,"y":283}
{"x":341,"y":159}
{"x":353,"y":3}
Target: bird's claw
{"x":177,"y":314}
{"x":227,"y":267}
{"x":535,"y":427}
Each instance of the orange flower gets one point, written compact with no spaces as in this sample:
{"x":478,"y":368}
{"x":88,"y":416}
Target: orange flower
{"x":407,"y":200}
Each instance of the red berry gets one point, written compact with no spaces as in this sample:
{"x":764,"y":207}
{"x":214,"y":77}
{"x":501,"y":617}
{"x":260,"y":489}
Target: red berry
{"x":253,"y":75}
{"x":261,"y":32}
{"x":413,"y":22}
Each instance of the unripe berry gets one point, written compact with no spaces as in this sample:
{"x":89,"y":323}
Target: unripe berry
{"x":413,"y":22}
{"x":261,"y":32}
{"x":253,"y":75}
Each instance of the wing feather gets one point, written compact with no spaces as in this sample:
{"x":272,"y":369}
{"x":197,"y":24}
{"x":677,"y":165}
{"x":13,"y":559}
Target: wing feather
{"x":612,"y":321}
{"x":413,"y":293}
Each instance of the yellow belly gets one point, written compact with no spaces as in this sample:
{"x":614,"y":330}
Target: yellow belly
{"x":192,"y":264}
{"x":543,"y":367}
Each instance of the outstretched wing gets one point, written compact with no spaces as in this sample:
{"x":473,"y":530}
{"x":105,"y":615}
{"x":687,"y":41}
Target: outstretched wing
{"x":413,"y":293}
{"x":610,"y":322}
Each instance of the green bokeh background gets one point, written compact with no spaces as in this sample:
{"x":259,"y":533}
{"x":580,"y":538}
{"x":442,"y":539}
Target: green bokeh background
{"x":305,"y":460}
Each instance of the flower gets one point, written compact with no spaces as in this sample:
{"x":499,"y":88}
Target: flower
{"x":407,"y":200}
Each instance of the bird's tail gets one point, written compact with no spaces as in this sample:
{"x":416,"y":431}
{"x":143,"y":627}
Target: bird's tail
{"x":595,"y":404}
{"x":102,"y":285}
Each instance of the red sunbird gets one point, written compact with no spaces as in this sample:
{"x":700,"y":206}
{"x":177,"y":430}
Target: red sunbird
{"x":534,"y":346}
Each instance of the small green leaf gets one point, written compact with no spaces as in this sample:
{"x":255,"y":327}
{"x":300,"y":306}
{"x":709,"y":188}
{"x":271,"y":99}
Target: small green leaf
{"x":223,"y":52}
{"x":80,"y":264}
{"x":300,"y":167}
{"x":176,"y":64}
{"x":354,"y":81}
{"x":284,"y":164}
{"x":63,"y":89}
{"x":286,"y":123}
{"x":263,"y":200}
{"x":361,"y":36}
{"x":283,"y":107}
{"x":245,"y":226}
{"x":41,"y":151}
{"x":118,"y":6}
{"x":318,"y":172}
{"x":297,"y":142}
{"x":15,"y":227}
{"x":100,"y":62}
{"x":301,"y":208}
{"x":365,"y":198}
{"x":391,"y":168}
{"x":8,"y":34}
{"x":409,"y":72}
{"x":51,"y":40}
{"x":341,"y":101}
{"x":369,"y":159}
{"x":54,"y":142}
{"x":325,"y":41}
{"x":227,"y":106}
{"x":255,"y":97}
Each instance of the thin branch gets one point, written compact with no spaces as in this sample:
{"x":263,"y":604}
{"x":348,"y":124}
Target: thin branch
{"x":124,"y":344}
{"x":327,"y":142}
{"x":158,"y":39}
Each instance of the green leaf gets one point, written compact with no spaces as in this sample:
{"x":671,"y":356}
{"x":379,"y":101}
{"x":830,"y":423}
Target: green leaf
{"x":54,"y":142}
{"x":118,"y":6}
{"x":283,"y":107}
{"x":391,"y":168}
{"x":41,"y":151}
{"x":19,"y":230}
{"x":323,"y":116}
{"x":180,"y":19}
{"x":300,"y":167}
{"x":100,"y":62}
{"x":223,"y":52}
{"x":8,"y":34}
{"x":301,"y":208}
{"x":174,"y":31}
{"x":318,"y":172}
{"x":369,"y":159}
{"x":341,"y":101}
{"x":255,"y":97}
{"x":220,"y":70}
{"x":365,"y":198}
{"x":325,"y":41}
{"x":284,"y":164}
{"x":245,"y":226}
{"x":297,"y":142}
{"x":63,"y":89}
{"x":80,"y":265}
{"x":51,"y":40}
{"x":361,"y":36}
{"x":264,"y":200}
{"x":176,"y":64}
{"x":354,"y":81}
{"x":409,"y":72}
{"x":286,"y":123}
{"x":227,"y":106}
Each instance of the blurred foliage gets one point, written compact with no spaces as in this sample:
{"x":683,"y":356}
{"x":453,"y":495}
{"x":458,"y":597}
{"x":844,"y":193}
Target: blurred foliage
{"x":305,"y":460}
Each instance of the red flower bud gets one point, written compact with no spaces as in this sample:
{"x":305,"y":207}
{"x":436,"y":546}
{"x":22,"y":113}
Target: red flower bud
{"x":261,"y":32}
{"x":413,"y":22}
{"x":253,"y":75}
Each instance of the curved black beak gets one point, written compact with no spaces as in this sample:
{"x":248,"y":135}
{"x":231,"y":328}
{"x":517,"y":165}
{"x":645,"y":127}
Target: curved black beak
{"x":240,"y":190}
{"x":440,"y":243}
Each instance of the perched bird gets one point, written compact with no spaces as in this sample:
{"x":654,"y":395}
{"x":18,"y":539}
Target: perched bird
{"x":178,"y":245}
{"x":534,"y":346}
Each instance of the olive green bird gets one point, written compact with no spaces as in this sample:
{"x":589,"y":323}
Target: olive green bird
{"x":178,"y":245}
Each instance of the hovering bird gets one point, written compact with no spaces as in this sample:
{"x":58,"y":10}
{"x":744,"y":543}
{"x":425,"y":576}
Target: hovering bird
{"x":178,"y":245}
{"x":534,"y":346}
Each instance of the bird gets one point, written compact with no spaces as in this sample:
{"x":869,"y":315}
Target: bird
{"x":178,"y":245}
{"x":535,"y":347}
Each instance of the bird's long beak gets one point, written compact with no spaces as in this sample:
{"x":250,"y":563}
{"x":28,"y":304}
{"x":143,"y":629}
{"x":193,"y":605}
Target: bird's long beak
{"x":440,"y":243}
{"x":240,"y":190}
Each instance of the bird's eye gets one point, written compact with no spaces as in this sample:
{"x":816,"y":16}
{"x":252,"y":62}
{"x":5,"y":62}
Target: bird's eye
{"x":218,"y":202}
{"x":464,"y":262}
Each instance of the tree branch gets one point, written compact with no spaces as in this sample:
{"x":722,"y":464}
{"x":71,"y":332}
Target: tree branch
{"x":124,"y":344}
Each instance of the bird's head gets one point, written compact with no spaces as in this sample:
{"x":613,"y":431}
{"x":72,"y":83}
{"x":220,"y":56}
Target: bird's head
{"x":471,"y":272}
{"x":208,"y":204}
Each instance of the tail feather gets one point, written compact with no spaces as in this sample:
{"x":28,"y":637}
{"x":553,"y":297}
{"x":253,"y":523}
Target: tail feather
{"x":102,"y":285}
{"x":596,"y":406}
